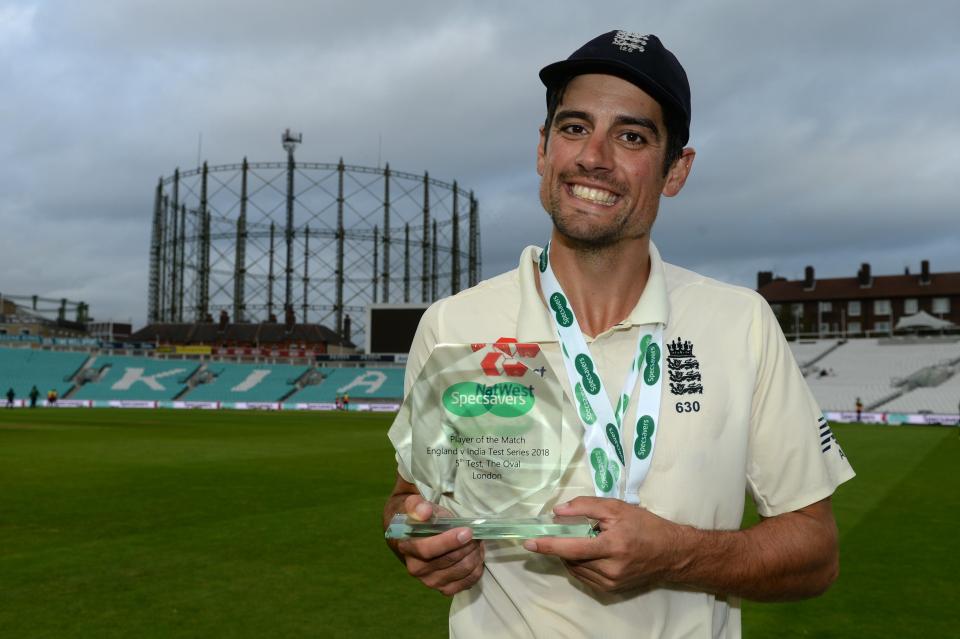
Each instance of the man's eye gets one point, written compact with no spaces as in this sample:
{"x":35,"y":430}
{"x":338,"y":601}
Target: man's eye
{"x":574,"y":129}
{"x":633,"y":137}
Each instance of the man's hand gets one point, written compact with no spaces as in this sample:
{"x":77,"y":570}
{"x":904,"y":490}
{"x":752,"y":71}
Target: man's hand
{"x":448,"y":562}
{"x":793,"y":555}
{"x":635,"y":549}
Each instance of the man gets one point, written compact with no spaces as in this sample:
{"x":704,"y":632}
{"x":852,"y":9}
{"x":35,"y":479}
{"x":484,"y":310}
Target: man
{"x":34,"y":394}
{"x":10,"y":396}
{"x":732,"y":412}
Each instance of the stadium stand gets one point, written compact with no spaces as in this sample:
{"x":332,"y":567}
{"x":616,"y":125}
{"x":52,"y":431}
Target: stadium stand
{"x":808,"y":353}
{"x":940,"y":399}
{"x":137,"y":378}
{"x":247,"y":383}
{"x":902,"y":375}
{"x":874,"y":370}
{"x":22,"y":368}
{"x":360,"y":383}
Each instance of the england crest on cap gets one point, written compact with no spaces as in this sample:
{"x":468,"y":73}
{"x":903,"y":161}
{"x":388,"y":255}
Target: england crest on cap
{"x":630,"y":42}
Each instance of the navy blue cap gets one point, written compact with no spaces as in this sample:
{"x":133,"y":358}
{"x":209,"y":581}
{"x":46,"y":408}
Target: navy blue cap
{"x":639,"y":59}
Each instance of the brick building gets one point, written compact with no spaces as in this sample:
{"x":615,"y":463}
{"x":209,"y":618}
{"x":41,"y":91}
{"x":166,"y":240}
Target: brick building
{"x":861,"y":305}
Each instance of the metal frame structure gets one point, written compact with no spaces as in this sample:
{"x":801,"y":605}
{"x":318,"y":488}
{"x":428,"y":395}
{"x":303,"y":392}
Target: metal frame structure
{"x":47,"y":308}
{"x":223,"y":235}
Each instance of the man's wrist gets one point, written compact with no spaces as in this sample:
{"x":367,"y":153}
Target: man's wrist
{"x":687,"y":542}
{"x":699,"y":554}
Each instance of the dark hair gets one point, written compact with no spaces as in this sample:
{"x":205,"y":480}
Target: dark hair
{"x":672,"y":119}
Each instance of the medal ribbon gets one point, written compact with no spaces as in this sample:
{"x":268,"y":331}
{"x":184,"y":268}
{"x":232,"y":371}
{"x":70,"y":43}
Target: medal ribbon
{"x":602,"y":422}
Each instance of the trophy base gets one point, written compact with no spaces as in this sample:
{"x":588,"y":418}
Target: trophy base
{"x":403,"y":527}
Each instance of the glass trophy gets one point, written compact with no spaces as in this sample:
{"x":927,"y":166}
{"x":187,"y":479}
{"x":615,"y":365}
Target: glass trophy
{"x":480,"y":430}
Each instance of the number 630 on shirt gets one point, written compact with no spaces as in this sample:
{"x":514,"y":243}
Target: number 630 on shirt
{"x":688,"y":407}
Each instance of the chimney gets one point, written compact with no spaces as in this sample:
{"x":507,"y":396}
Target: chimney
{"x":925,"y":272}
{"x":808,"y":281}
{"x":863,"y":276}
{"x":346,"y":329}
{"x":764,"y":278}
{"x":224,"y":320}
{"x":289,"y":318}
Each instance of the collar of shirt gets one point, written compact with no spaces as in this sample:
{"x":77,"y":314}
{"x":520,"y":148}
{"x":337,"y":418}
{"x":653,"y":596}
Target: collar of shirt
{"x":533,"y":320}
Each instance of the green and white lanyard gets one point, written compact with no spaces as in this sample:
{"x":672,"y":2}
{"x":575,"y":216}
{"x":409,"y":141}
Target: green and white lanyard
{"x":602,"y":423}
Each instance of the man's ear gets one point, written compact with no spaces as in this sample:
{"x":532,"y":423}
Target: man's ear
{"x":541,"y":151}
{"x":678,"y":173}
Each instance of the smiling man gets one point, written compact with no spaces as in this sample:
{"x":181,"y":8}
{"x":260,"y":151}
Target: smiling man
{"x":692,"y":378}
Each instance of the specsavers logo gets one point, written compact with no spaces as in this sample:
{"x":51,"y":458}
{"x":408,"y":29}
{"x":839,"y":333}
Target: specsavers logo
{"x":507,"y":399}
{"x":606,"y":472}
{"x":649,"y":356}
{"x":588,"y":376}
{"x":643,"y":444}
{"x":561,"y":309}
{"x":587,"y":413}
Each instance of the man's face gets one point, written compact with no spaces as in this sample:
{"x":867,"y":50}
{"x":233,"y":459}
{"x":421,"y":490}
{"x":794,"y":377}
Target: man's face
{"x":602,"y":168}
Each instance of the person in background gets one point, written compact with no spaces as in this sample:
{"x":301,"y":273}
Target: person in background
{"x":34,"y":394}
{"x":10,"y":395}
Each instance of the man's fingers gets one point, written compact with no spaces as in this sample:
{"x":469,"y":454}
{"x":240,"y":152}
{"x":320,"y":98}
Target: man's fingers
{"x":590,"y":577}
{"x":601,"y":508}
{"x":418,"y":507}
{"x":451,"y":558}
{"x":472,"y":577}
{"x":442,"y":576}
{"x":428,"y":548}
{"x":568,"y":549}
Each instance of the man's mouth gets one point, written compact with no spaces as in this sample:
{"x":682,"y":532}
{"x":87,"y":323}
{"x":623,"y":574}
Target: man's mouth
{"x":594,"y":195}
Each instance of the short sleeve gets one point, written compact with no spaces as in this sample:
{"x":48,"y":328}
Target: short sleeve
{"x":424,"y":340}
{"x":794,"y":459}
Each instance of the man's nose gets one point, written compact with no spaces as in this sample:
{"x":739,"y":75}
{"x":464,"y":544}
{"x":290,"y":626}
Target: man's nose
{"x":596,"y":153}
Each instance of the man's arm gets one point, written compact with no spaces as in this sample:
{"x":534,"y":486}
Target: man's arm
{"x":790,"y":556}
{"x":448,"y":562}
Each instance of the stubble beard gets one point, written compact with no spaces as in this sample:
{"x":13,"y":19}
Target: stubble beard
{"x":586,"y":237}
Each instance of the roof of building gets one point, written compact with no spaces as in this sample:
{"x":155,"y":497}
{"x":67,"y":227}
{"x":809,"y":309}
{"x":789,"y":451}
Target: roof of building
{"x":881,"y":286}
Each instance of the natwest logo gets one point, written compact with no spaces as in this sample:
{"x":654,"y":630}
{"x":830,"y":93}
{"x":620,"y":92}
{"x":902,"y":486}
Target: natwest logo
{"x":504,"y":357}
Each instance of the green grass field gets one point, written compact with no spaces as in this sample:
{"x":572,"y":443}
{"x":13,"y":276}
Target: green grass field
{"x":117,"y":523}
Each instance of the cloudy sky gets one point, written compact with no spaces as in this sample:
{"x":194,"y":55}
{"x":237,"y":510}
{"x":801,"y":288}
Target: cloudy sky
{"x":827,"y":133}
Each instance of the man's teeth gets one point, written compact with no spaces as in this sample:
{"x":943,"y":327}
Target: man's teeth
{"x":594,"y":195}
